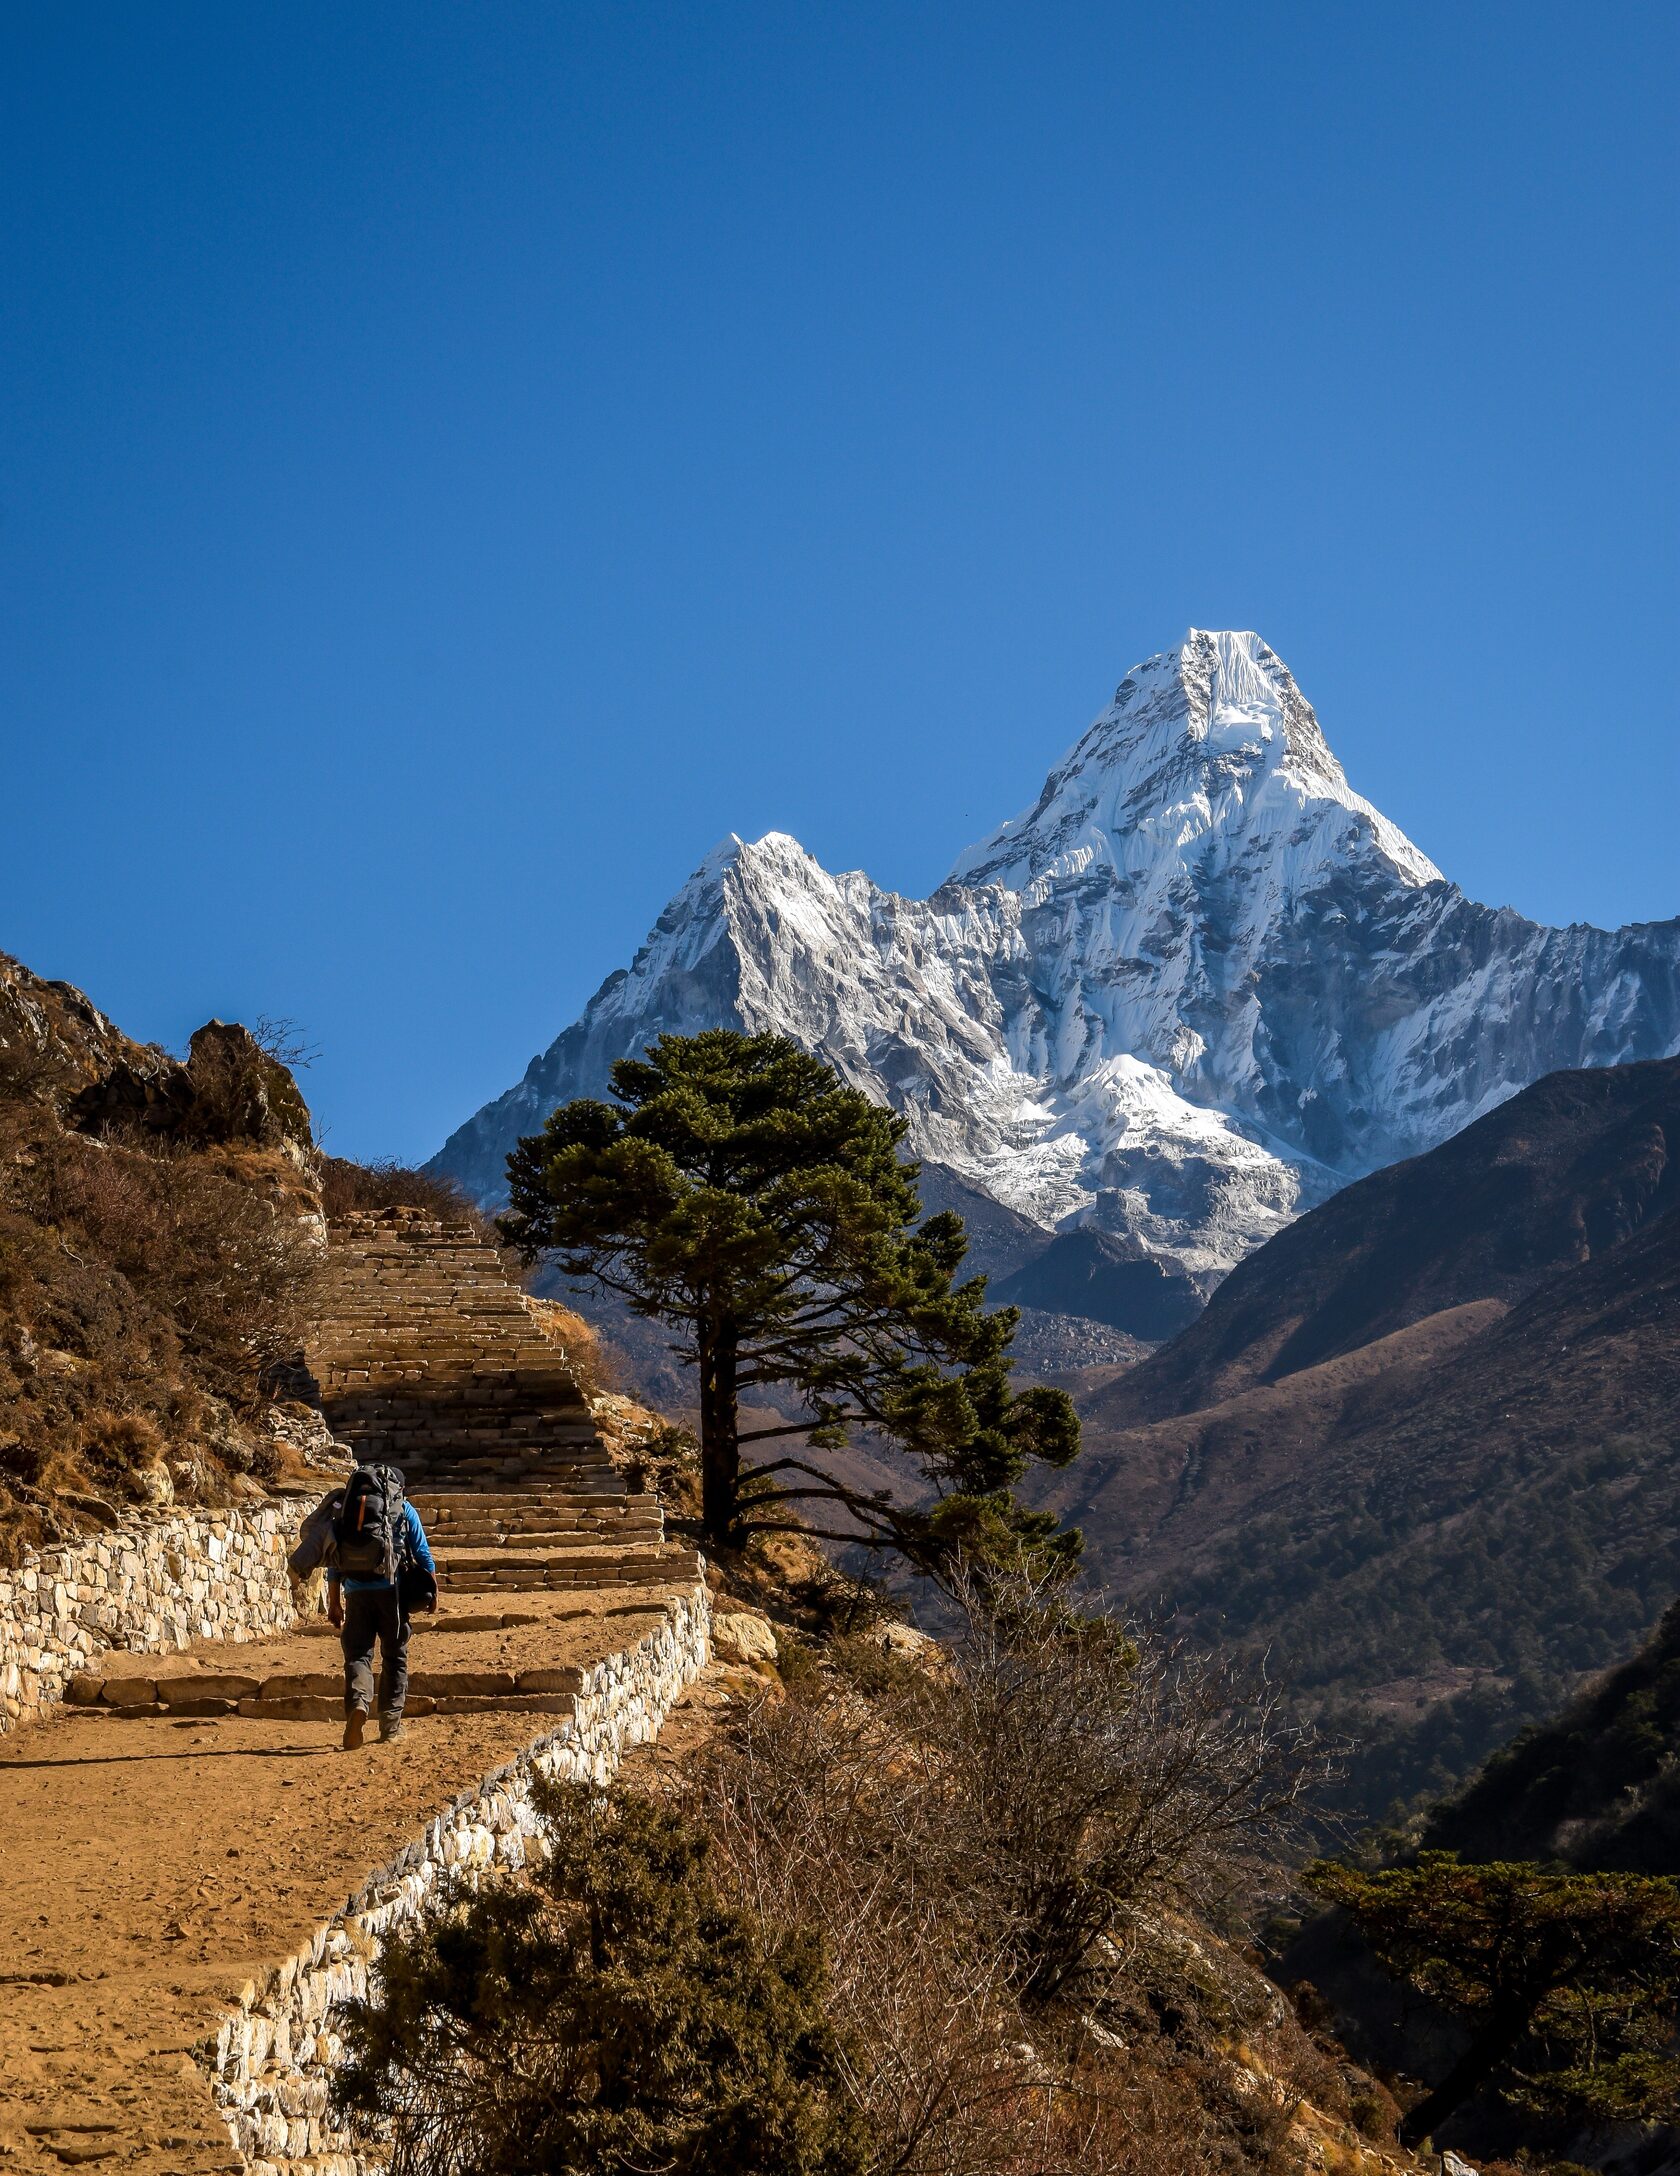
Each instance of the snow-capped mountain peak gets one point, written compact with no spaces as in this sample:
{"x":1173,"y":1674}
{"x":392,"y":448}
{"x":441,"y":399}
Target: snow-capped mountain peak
{"x":1198,"y":985}
{"x":1211,"y":739}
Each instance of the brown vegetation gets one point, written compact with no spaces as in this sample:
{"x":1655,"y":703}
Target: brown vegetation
{"x":348,"y":1186}
{"x":158,"y":1244}
{"x":144,"y":1293}
{"x":1005,"y":1851}
{"x":985,"y":1872}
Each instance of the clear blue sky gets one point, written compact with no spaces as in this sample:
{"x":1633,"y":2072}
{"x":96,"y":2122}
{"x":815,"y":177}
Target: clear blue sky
{"x":458,"y":461}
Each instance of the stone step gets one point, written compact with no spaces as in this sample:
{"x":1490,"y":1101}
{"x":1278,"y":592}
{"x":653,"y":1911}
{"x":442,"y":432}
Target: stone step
{"x":538,"y":1532}
{"x":587,"y":1552}
{"x":282,"y":1694}
{"x":546,"y":1541}
{"x":398,"y":1410}
{"x":630,"y":1511}
{"x":535,"y":1494}
{"x":486,"y":1571}
{"x":538,"y":1495}
{"x":329,"y":1707}
{"x":514,"y":1500}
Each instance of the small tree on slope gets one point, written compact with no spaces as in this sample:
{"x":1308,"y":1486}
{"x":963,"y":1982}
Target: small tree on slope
{"x":739,"y":1191}
{"x":1569,"y":1983}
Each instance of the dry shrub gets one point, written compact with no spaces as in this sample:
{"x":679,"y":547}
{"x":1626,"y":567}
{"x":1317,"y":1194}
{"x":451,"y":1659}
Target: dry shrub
{"x":577,"y":1340}
{"x":142,"y":1293}
{"x":1084,"y":1772}
{"x":232,"y":1272}
{"x":348,"y":1186}
{"x":608,"y":2007}
{"x":994,"y":1854}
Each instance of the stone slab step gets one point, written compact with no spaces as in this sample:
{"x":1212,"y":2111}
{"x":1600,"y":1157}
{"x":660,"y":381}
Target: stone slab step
{"x":542,"y":1536}
{"x":329,"y":1708}
{"x":557,"y":1578}
{"x":207,"y":1692}
{"x":515,"y":1556}
{"x":505,"y":1525}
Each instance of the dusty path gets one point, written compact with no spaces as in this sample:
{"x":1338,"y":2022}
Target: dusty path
{"x":149,"y":1868}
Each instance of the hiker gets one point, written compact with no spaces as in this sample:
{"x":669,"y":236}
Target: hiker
{"x":379,"y":1571}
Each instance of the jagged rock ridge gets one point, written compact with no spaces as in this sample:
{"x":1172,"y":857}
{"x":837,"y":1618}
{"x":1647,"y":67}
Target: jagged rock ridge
{"x":1196,"y":988}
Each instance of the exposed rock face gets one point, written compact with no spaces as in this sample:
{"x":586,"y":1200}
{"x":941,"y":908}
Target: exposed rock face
{"x":52,"y":1038}
{"x":242,"y":1094}
{"x":1196,"y":988}
{"x":740,"y":1637}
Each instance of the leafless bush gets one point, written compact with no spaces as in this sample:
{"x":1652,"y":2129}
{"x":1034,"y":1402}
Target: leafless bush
{"x":347,"y":1186}
{"x":1085,"y":1774}
{"x":284,"y":1040}
{"x":231,"y":1270}
{"x":987,"y":1850}
{"x":814,"y":1833}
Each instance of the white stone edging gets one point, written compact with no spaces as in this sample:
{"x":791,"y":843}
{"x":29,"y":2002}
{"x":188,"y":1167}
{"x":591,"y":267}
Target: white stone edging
{"x":271,"y":2059}
{"x":152,"y":1585}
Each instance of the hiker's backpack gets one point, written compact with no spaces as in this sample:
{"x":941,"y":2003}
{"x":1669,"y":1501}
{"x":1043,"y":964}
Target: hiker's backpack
{"x":368,"y":1533}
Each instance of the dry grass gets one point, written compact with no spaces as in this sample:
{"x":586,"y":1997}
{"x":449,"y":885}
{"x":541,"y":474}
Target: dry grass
{"x":143,"y":1294}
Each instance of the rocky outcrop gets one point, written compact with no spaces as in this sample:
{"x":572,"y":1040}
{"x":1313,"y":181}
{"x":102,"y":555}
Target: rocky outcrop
{"x":53,"y":1037}
{"x":229,"y":1090}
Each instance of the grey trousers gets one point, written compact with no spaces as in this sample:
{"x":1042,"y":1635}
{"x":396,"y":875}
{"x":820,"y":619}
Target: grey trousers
{"x":374,"y":1613}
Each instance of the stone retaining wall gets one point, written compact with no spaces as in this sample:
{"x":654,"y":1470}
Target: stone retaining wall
{"x":271,"y":2061}
{"x":154,"y":1585}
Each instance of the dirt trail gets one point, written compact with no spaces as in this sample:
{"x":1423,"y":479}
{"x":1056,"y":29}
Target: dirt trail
{"x":149,"y":1868}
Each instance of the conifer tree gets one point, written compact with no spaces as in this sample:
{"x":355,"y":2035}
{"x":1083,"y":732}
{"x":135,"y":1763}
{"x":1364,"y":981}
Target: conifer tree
{"x":1569,"y":1983}
{"x":738,"y":1191}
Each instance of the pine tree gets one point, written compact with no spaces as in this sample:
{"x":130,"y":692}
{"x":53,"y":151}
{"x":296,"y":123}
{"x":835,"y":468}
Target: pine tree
{"x":738,"y":1191}
{"x":1569,"y":1983}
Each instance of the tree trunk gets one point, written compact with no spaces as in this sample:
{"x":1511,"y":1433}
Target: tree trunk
{"x":720,"y":1435}
{"x":1489,"y":2046}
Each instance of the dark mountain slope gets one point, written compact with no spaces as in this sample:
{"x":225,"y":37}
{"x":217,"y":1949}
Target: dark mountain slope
{"x":1549,"y":1179}
{"x":1479,"y":1534}
{"x":1597,"y":1786}
{"x":1088,"y":1274}
{"x":1442,"y":1529}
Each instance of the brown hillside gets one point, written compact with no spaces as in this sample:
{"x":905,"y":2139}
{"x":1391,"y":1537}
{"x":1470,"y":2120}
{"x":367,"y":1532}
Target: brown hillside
{"x":1547,"y":1181}
{"x":1467,"y":1494}
{"x":158,"y":1238}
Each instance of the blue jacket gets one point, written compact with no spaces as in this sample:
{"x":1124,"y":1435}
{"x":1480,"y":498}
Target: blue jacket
{"x":412,"y":1547}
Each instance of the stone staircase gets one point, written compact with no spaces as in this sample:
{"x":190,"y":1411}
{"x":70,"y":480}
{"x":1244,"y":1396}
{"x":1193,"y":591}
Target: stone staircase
{"x":429,"y":1359}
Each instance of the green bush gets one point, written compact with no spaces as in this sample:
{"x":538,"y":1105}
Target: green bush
{"x":611,"y":2013}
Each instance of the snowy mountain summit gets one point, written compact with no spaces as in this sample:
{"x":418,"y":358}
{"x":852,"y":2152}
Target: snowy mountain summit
{"x":1195,"y":988}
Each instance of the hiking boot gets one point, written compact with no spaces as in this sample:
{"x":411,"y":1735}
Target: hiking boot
{"x":390,"y":1726}
{"x":355,"y":1729}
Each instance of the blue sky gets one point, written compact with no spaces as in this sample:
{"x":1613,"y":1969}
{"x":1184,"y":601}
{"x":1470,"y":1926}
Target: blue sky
{"x":458,"y":461}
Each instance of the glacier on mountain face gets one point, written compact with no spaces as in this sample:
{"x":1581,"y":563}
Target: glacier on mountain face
{"x":1194,"y":989}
